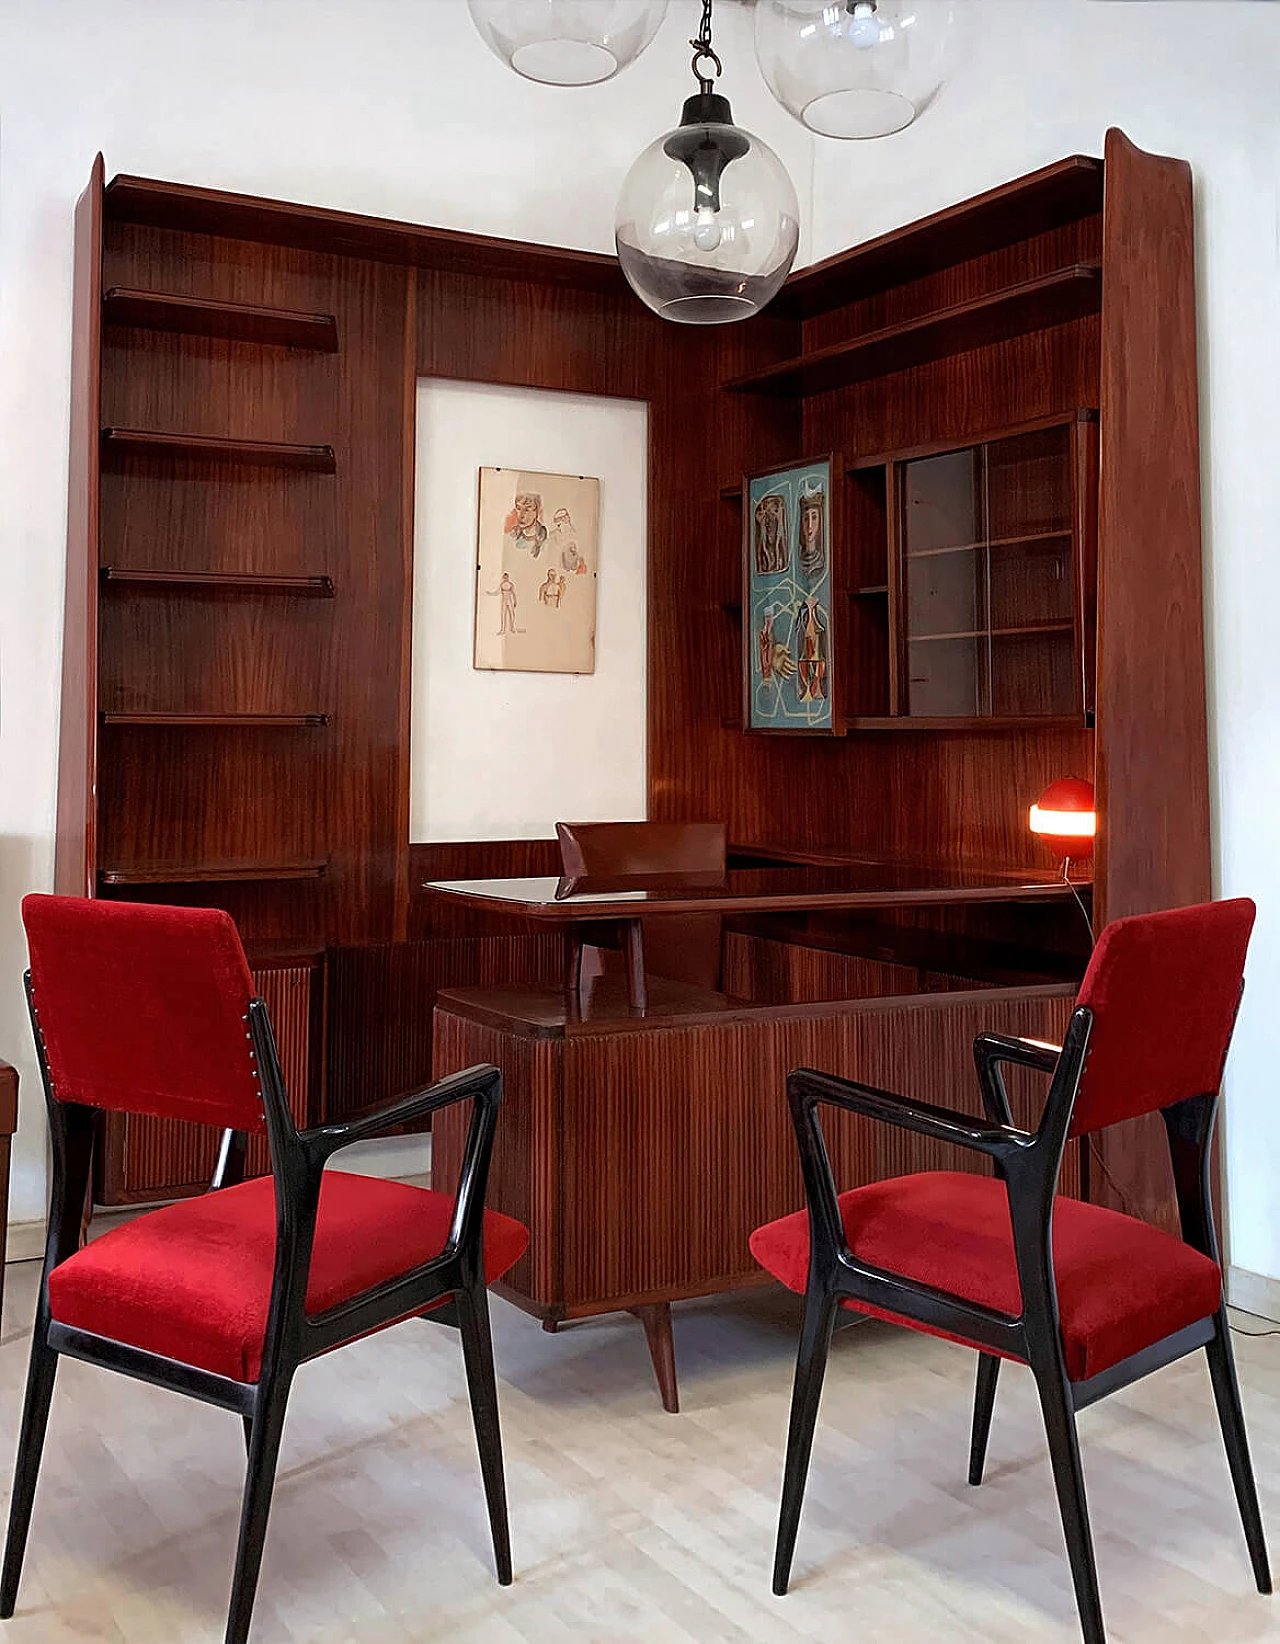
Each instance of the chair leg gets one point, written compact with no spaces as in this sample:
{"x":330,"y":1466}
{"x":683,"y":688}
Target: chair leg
{"x":984,"y":1402}
{"x":811,"y":1365}
{"x":265,"y":1431}
{"x":1226,"y":1393}
{"x":477,"y":1356}
{"x":1068,"y":1478}
{"x":248,"y":1433}
{"x":35,"y":1420}
{"x":656,"y":1319}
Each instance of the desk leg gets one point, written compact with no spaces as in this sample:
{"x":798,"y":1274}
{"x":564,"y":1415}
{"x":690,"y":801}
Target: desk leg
{"x":572,"y":963}
{"x":656,"y":1319}
{"x":633,"y":936}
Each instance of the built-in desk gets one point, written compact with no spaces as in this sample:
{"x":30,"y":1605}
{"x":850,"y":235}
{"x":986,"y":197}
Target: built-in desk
{"x":642,"y":1150}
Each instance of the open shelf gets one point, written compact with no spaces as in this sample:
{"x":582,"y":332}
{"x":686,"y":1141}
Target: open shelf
{"x":1053,"y":299}
{"x":119,"y":443}
{"x":732,"y":493}
{"x":211,"y":873}
{"x":877,"y":590}
{"x":251,"y":582}
{"x":251,"y":720}
{"x":203,"y":317}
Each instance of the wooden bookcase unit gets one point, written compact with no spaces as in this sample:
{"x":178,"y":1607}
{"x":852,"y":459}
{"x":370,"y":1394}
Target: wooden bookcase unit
{"x":236,"y":679}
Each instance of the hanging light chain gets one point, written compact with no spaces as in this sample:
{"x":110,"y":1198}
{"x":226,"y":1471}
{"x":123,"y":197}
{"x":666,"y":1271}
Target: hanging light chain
{"x":703,"y":52}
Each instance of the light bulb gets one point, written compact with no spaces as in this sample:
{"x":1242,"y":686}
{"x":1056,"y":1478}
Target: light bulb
{"x":706,"y":229}
{"x":864,"y":26}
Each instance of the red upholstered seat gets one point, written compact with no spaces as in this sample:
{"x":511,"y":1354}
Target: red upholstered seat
{"x":1122,"y":1284}
{"x":193,"y":1281}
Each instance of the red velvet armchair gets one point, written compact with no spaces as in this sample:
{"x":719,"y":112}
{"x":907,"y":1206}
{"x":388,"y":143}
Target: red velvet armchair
{"x":151,"y":1010}
{"x":1090,"y":1299}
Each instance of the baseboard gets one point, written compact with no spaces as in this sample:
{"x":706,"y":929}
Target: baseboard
{"x":394,"y":1158}
{"x":1254,"y":1293}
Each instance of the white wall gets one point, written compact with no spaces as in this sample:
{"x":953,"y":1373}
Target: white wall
{"x":1045,"y":78}
{"x":507,"y":755}
{"x":389,"y":107}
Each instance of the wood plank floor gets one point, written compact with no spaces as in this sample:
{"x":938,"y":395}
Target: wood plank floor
{"x":629,"y":1524}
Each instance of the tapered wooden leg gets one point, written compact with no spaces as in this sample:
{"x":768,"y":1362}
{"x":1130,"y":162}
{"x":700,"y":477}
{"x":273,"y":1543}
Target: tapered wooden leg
{"x":572,"y":964}
{"x":811,"y":1366}
{"x":633,"y":942}
{"x":1226,"y":1393}
{"x":266,"y":1431}
{"x":1068,"y":1478}
{"x":662,"y":1350}
{"x":35,"y":1420}
{"x":477,"y":1355}
{"x":984,"y":1400}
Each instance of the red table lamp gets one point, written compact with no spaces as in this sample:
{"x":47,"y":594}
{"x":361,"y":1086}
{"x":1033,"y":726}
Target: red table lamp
{"x":1066,"y":821}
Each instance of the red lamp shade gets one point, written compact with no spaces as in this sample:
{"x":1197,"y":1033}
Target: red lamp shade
{"x":1065,"y":819}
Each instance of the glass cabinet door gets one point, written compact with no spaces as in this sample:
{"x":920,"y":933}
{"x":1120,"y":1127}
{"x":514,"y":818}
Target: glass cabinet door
{"x":986,"y":543}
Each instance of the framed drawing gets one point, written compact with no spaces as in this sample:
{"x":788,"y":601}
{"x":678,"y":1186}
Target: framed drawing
{"x":537,"y":541}
{"x":788,"y":652}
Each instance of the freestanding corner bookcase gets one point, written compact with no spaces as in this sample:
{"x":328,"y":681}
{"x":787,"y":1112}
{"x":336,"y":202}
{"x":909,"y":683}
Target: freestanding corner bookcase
{"x":237,"y":644}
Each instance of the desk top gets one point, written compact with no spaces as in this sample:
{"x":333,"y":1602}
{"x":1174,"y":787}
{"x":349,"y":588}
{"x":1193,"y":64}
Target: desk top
{"x":799,"y":886}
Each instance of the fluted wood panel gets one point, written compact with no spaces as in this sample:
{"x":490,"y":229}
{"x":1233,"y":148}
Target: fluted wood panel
{"x":147,"y":1158}
{"x":525,"y":1179}
{"x":643,"y":1160}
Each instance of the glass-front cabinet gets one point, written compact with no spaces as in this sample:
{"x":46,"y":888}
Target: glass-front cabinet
{"x":994,"y":558}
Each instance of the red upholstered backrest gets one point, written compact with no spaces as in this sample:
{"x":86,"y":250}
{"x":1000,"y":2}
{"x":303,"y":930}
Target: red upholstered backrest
{"x":1163,"y":988}
{"x":143,"y":1009}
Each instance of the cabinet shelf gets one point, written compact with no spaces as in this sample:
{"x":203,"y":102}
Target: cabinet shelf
{"x":874,"y":590}
{"x":1032,"y":541}
{"x":968,"y":722}
{"x":211,"y":873}
{"x":250,"y":582}
{"x":204,"y":317}
{"x":732,"y":493}
{"x":121,"y":443}
{"x":1053,"y":299}
{"x":995,"y":633}
{"x":248,"y":720}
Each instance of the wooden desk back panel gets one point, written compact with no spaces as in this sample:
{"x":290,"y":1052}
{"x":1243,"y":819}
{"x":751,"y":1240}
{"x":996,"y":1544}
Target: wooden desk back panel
{"x":678,"y":1143}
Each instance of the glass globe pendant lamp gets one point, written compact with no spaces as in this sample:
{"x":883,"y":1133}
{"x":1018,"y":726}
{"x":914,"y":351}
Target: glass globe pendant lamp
{"x":708,"y":221}
{"x":854,"y":68}
{"x":567,"y":42}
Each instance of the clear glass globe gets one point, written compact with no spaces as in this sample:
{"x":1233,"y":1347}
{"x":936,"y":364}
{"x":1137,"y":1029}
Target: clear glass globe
{"x":567,"y":42}
{"x":708,"y":224}
{"x":855,"y":68}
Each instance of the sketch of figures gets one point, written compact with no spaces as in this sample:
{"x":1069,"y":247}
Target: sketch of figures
{"x":556,"y":632}
{"x":523,"y":526}
{"x":507,"y":589}
{"x":811,"y":652}
{"x":812,"y":547}
{"x":770,"y":534}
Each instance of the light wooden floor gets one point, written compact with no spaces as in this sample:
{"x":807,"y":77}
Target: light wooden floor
{"x":628,"y":1523}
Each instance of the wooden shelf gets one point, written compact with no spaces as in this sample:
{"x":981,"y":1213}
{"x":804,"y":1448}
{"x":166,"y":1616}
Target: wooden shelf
{"x":1032,"y":305}
{"x":203,"y":317}
{"x":969,"y":722}
{"x":120,"y":443}
{"x":875,"y":590}
{"x":731,"y":493}
{"x":995,"y":633}
{"x":1032,"y":541}
{"x":214,"y":873}
{"x":249,"y":582}
{"x":247,"y":720}
{"x":1057,"y":194}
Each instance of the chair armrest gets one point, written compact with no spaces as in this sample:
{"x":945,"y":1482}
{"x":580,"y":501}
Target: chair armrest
{"x":943,"y":1123}
{"x":990,"y":1050}
{"x":483,"y":1081}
